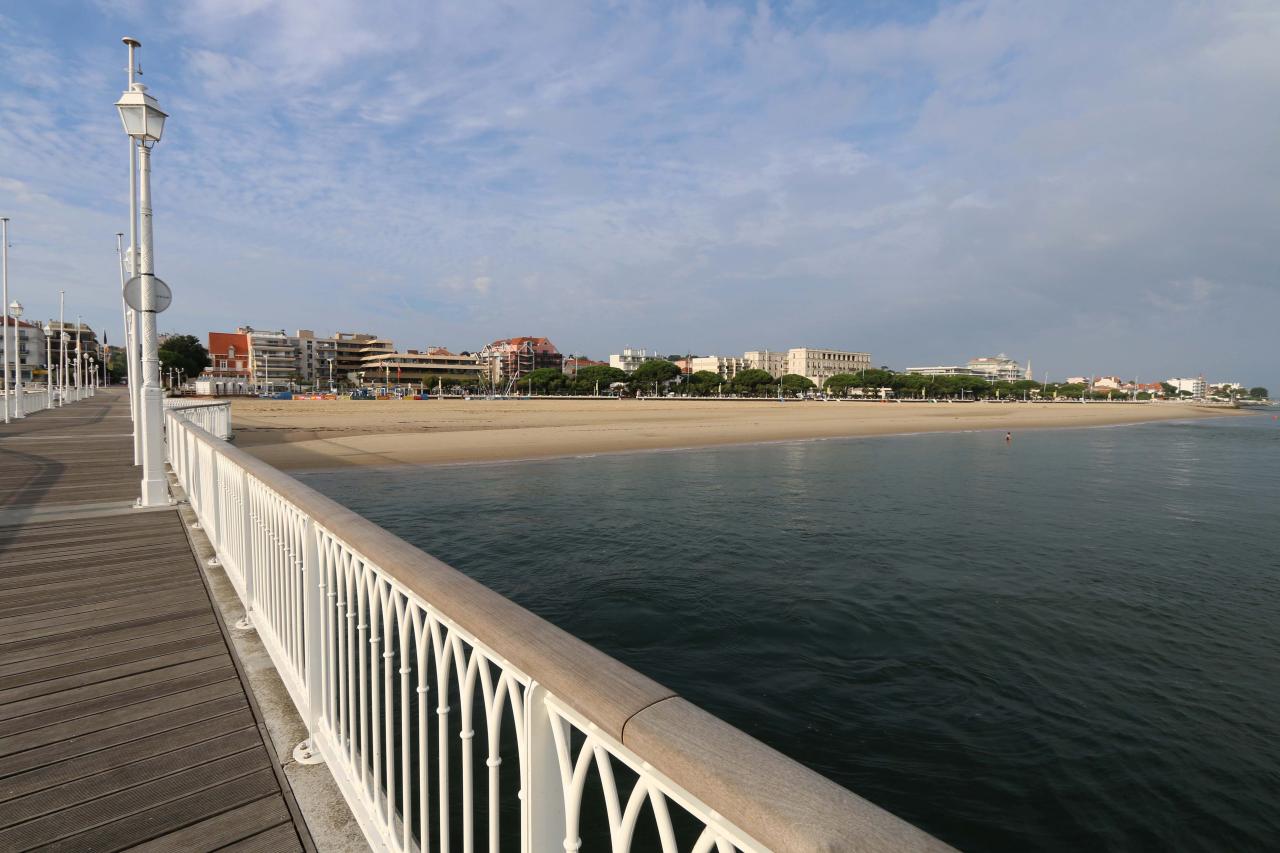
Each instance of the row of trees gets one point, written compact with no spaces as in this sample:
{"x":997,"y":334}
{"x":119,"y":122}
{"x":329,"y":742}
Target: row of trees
{"x":180,"y":352}
{"x":661,"y":376}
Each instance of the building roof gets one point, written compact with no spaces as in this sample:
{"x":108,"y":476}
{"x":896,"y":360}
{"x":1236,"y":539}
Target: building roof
{"x":521,"y":341}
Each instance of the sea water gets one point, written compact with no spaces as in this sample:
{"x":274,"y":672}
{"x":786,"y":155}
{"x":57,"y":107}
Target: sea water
{"x":1066,"y":641}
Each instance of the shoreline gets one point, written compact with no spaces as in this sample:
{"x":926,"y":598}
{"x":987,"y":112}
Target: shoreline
{"x":326,"y":436}
{"x":736,"y":445}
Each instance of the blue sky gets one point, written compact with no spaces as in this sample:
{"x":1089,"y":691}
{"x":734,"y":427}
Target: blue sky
{"x":1093,"y":185}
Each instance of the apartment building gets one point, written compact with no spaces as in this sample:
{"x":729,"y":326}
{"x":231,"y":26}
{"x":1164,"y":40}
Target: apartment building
{"x":317,"y":358}
{"x":508,"y":359}
{"x":819,"y":365}
{"x":726,"y":366}
{"x":423,"y":368}
{"x":273,"y":359}
{"x":88,"y":339}
{"x":630,"y":358}
{"x":29,"y":339}
{"x":350,"y":349}
{"x":1195,"y":386}
{"x":999,"y":368}
{"x":773,"y":362}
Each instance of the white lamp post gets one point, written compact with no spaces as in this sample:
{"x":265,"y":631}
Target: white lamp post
{"x":62,"y":371}
{"x":48,"y":365}
{"x":79,"y":360}
{"x":143,"y":121}
{"x":19,"y":404}
{"x":4,"y":301}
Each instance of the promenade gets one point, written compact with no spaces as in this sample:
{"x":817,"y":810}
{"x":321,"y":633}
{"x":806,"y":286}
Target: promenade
{"x":125,"y":722}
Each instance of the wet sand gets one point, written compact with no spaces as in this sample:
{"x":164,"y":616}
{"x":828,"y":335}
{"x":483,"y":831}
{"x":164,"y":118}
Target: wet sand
{"x":326,"y":434}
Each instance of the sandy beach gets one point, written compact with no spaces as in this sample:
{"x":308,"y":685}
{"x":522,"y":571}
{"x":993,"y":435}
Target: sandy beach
{"x":325,"y":434}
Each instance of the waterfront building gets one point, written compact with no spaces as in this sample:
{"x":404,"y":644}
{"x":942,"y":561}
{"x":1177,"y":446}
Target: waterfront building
{"x":726,"y":366}
{"x":425,"y":369}
{"x":1108,"y":383}
{"x":30,"y":349}
{"x":999,"y":368}
{"x":314,"y":357}
{"x":630,"y":358}
{"x":572,"y":364}
{"x":228,"y":357}
{"x":273,"y":359}
{"x":773,"y":362}
{"x":350,"y":349}
{"x":88,"y":338}
{"x":1195,"y":386}
{"x":508,"y":359}
{"x":819,"y":365}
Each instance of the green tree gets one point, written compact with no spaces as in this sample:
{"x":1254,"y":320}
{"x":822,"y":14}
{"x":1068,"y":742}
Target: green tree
{"x":753,"y":383}
{"x":655,"y":370}
{"x":704,"y":383}
{"x":1169,"y":390}
{"x":597,"y":377}
{"x":1258,"y":392}
{"x":118,"y":366}
{"x":544,"y":380}
{"x":794,"y":383}
{"x":185,"y":353}
{"x":841,"y":383}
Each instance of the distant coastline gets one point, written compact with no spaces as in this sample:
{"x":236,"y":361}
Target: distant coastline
{"x":332,"y":434}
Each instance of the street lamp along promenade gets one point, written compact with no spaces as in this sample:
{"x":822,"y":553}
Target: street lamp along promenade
{"x":5,"y":351}
{"x":143,"y":122}
{"x":19,"y":403}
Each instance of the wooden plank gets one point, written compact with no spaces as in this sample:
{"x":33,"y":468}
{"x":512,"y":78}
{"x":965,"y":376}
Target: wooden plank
{"x":243,"y":767}
{"x":38,"y":736}
{"x":282,"y":838}
{"x":138,"y":767}
{"x":92,"y":741}
{"x":92,"y":695}
{"x":225,"y":829}
{"x":136,"y":593}
{"x":117,"y":755}
{"x":171,"y":817}
{"x":123,"y":720}
{"x":211,"y":648}
{"x":106,"y":638}
{"x":175,"y":598}
{"x":92,"y":660}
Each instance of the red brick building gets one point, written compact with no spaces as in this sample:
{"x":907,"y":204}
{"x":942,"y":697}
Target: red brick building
{"x":228,"y":355}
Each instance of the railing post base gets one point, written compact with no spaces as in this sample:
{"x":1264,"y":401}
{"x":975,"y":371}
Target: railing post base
{"x":244,"y":623}
{"x":306,"y":753}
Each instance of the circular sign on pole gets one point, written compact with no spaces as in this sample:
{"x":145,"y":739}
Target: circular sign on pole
{"x":133,"y":294}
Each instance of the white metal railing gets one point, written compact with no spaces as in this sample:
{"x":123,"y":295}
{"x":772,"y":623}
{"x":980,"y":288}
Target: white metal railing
{"x":213,"y":416}
{"x":535,"y":737}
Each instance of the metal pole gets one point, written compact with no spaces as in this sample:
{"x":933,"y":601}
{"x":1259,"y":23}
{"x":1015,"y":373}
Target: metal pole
{"x":62,"y":349}
{"x":79,"y":359}
{"x":134,"y":359}
{"x":128,"y":328}
{"x":155,"y":491}
{"x":4,"y":240}
{"x":48,"y":367}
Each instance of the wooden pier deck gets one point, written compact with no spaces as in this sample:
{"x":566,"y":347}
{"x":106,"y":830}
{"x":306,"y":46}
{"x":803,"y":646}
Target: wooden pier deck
{"x":124,"y":719}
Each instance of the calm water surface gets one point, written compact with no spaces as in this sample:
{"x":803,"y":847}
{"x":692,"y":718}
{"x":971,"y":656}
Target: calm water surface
{"x":1068,"y":642}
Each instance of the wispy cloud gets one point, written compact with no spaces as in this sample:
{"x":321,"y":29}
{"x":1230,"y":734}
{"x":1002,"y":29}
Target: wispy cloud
{"x":928,"y":184}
